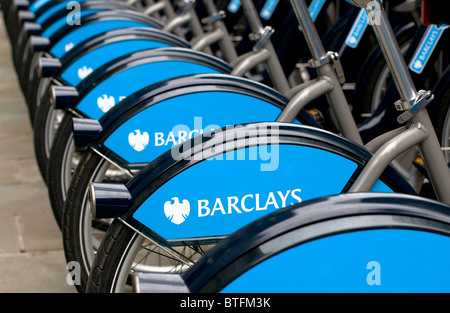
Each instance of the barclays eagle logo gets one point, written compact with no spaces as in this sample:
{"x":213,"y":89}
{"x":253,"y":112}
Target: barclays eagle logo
{"x":137,"y":140}
{"x":177,"y":212}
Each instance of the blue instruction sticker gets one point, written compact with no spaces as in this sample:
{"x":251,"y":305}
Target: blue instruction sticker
{"x":269,"y":8}
{"x":315,"y":7}
{"x":234,"y":6}
{"x":426,"y":48}
{"x":357,"y":30}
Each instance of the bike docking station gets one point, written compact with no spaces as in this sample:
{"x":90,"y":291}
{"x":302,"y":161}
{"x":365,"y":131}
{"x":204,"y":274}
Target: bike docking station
{"x":186,"y":153}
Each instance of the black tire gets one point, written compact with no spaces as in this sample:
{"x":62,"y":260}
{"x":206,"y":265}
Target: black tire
{"x":44,"y":115}
{"x":117,"y":237}
{"x":76,"y":200}
{"x":57,"y":172}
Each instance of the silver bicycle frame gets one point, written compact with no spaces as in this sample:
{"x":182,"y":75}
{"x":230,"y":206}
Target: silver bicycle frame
{"x":419,"y":129}
{"x":328,"y":82}
{"x":263,"y":52}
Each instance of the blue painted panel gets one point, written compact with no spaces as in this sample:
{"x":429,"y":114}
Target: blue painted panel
{"x":358,"y":29}
{"x":222,"y":194}
{"x":52,"y":29}
{"x":269,"y":8}
{"x":84,"y":32}
{"x":119,"y":86}
{"x":102,"y":55}
{"x":36,"y":5}
{"x":384,"y":260}
{"x":175,"y":120}
{"x":47,"y":14}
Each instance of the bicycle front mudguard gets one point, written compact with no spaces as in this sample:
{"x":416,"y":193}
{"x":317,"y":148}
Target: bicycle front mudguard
{"x":210,"y":186}
{"x":347,"y":243}
{"x":68,"y":36}
{"x":176,"y":110}
{"x":42,"y":37}
{"x":113,"y":82}
{"x":94,"y":53}
{"x":98,"y":51}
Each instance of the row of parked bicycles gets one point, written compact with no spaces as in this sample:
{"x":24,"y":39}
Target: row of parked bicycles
{"x":239,"y":145}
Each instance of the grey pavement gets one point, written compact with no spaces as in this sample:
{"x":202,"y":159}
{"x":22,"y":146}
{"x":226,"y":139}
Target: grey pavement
{"x":31,"y":252}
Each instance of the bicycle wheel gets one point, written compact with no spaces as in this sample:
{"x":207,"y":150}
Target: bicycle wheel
{"x":232,"y":194}
{"x":46,"y":118}
{"x":92,"y":54}
{"x":92,"y":25}
{"x":231,"y":99}
{"x":162,"y":260}
{"x":119,"y":78}
{"x":77,"y":221}
{"x":346,"y":243}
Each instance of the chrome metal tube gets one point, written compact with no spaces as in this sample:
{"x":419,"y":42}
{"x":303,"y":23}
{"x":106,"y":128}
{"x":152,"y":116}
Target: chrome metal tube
{"x":391,"y":50}
{"x":309,"y":29}
{"x":250,"y":62}
{"x":384,"y":156}
{"x":336,"y":97}
{"x":273,"y":64}
{"x":320,"y":87}
{"x":226,"y":43}
{"x":434,"y":158}
{"x":252,"y":16}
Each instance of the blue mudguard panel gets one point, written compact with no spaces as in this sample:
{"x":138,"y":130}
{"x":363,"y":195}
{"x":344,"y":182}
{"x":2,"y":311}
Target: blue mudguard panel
{"x":57,"y":25}
{"x":355,"y":242}
{"x":175,"y":120}
{"x":175,"y":110}
{"x":119,"y":86}
{"x":98,"y":51}
{"x":215,"y":193}
{"x":383,"y":260}
{"x":94,"y":59}
{"x":50,"y":11}
{"x":218,"y":196}
{"x":89,"y":31}
{"x":358,"y":28}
